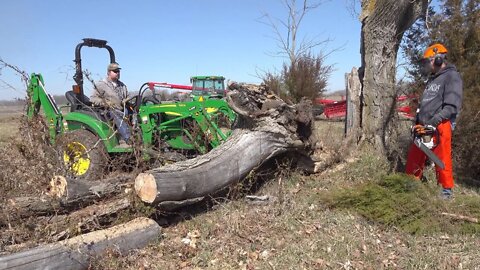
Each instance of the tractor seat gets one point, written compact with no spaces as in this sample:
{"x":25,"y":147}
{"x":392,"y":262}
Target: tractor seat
{"x":85,"y":107}
{"x":75,"y":103}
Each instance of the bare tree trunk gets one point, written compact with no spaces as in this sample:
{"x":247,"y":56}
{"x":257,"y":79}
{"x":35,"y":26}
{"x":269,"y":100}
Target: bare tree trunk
{"x":383,"y":25}
{"x":65,"y":195}
{"x":354,"y":89}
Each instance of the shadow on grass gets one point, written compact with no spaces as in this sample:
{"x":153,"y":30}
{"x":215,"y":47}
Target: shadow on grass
{"x":409,"y":205}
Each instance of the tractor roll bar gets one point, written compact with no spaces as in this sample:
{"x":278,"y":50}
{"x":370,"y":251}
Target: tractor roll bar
{"x":78,"y":77}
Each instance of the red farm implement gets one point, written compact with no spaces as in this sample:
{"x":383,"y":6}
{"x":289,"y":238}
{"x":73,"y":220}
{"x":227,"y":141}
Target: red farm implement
{"x":335,"y":109}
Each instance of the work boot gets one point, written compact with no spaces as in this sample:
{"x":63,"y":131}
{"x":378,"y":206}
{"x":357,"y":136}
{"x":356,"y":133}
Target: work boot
{"x":446,"y":193}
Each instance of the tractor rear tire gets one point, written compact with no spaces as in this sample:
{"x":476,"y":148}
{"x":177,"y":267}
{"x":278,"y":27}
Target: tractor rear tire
{"x":82,"y":154}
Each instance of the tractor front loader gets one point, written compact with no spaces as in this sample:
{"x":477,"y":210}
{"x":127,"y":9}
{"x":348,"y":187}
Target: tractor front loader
{"x":87,"y":139}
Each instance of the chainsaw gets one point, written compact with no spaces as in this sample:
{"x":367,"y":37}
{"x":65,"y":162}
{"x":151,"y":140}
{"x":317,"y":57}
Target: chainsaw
{"x":426,"y":138}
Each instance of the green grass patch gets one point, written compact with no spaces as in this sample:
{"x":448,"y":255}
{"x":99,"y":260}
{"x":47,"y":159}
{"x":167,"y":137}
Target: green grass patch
{"x":414,"y":207}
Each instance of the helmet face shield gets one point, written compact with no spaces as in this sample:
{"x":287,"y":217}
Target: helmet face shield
{"x":426,"y":67}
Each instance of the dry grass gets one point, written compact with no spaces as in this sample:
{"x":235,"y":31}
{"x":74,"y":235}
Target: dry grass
{"x":9,"y":122}
{"x":296,"y":230}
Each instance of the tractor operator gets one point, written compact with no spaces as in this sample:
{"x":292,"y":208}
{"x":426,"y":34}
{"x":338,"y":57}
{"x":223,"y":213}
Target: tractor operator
{"x":439,"y":107}
{"x":111,"y":93}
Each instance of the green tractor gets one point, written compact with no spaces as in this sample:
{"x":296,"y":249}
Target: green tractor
{"x":87,"y":139}
{"x":208,"y":87}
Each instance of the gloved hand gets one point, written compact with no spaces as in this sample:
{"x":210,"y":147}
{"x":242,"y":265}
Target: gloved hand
{"x":434,"y":121}
{"x":418,"y":129}
{"x":126,"y":100}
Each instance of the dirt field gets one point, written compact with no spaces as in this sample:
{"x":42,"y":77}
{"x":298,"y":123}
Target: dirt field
{"x":9,"y":122}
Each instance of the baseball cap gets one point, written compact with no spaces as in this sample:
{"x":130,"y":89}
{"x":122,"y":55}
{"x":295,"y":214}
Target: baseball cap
{"x":113,"y":66}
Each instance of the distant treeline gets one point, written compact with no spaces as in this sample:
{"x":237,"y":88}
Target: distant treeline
{"x":20,"y":101}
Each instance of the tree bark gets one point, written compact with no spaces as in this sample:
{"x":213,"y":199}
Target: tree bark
{"x":77,"y":252}
{"x":354,"y":91}
{"x":76,"y":192}
{"x":65,"y":195}
{"x":383,"y":25}
{"x":26,"y":206}
{"x":80,"y":219}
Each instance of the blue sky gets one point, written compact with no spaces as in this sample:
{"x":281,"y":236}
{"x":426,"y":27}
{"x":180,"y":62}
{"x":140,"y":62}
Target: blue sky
{"x":163,"y":41}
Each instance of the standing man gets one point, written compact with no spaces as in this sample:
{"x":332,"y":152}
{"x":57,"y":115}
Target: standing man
{"x":439,"y":107}
{"x":111,"y":93}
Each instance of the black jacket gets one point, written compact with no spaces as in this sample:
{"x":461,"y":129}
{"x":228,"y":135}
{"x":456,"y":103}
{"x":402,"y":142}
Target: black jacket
{"x":442,"y":98}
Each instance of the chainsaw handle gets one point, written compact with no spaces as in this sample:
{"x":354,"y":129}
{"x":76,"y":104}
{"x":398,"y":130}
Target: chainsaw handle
{"x":430,"y":128}
{"x":420,"y":130}
{"x":425,"y":135}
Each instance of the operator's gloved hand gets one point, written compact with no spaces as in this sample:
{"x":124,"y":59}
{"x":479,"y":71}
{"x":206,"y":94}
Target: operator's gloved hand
{"x":434,"y":121}
{"x":418,"y":129}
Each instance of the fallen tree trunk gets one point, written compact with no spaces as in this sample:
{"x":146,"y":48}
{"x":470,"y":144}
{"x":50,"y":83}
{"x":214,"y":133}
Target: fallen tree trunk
{"x":64,"y":195}
{"x":221,"y":167}
{"x":77,"y":252}
{"x":273,"y":127}
{"x":77,"y":192}
{"x":26,"y":206}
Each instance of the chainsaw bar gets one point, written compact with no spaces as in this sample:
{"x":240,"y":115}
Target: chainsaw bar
{"x":429,"y":153}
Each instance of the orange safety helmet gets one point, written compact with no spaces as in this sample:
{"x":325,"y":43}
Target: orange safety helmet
{"x":434,"y":50}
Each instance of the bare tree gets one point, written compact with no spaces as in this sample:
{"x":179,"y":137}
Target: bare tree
{"x":305,"y":74}
{"x":383,"y":25}
{"x":285,"y":32}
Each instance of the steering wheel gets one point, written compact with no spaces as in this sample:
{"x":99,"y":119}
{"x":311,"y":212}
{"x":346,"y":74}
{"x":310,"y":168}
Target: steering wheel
{"x":130,"y":103}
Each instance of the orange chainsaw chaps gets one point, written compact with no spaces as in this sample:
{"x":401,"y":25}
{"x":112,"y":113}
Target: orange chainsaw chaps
{"x":416,"y":158}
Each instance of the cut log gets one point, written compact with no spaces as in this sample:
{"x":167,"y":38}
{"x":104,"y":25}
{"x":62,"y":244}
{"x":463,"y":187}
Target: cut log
{"x":273,"y":128}
{"x":65,"y":195}
{"x":219,"y":168}
{"x":76,"y":191}
{"x":25,"y":206}
{"x":76,"y":253}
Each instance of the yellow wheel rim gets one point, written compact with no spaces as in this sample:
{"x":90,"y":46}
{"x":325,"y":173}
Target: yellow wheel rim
{"x":76,"y":158}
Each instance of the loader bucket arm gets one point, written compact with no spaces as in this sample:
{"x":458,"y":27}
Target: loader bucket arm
{"x":78,"y":77}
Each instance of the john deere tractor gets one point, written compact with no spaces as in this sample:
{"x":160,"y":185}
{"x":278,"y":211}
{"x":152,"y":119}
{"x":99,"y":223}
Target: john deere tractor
{"x":206,"y":87}
{"x":87,"y":138}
